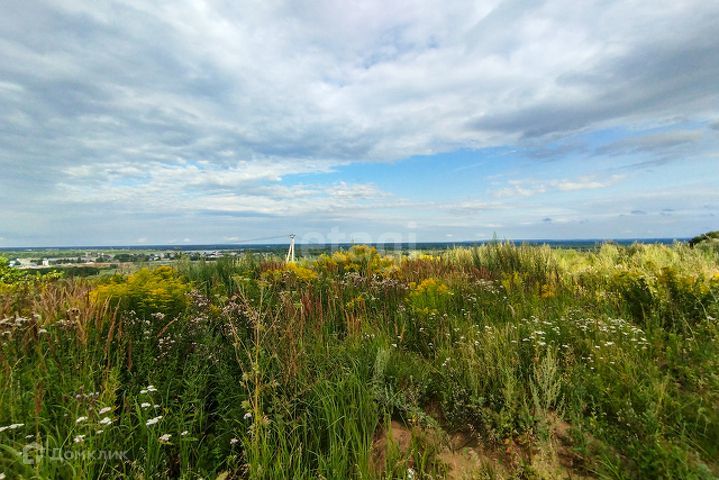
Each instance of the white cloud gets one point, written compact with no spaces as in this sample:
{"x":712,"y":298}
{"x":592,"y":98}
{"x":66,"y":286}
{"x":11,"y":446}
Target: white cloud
{"x":528,"y":188}
{"x":250,"y":188}
{"x":581,"y":184}
{"x":173,"y":80}
{"x":188,"y":106}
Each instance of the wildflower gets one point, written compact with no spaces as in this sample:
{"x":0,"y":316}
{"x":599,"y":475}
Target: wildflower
{"x":106,"y":421}
{"x":247,"y":415}
{"x":234,"y":441}
{"x":41,"y":331}
{"x":145,"y":405}
{"x":98,"y":432}
{"x":80,"y":419}
{"x":165,"y":438}
{"x":2,"y":476}
{"x":153,"y":421}
{"x":143,"y":391}
{"x":410,"y":474}
{"x":12,"y":427}
{"x":79,"y":439}
{"x":103,"y":411}
{"x":184,"y":433}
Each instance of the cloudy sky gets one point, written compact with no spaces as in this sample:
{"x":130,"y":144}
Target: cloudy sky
{"x":213,"y":122}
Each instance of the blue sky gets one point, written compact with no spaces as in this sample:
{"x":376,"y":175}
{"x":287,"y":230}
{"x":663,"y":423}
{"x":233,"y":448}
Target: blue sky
{"x":211,"y":122}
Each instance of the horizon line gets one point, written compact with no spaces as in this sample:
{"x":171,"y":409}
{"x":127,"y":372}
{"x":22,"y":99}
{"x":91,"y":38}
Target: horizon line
{"x":189,"y":245}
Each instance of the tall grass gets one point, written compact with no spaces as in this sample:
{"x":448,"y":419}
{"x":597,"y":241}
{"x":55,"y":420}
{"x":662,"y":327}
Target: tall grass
{"x":502,"y":360}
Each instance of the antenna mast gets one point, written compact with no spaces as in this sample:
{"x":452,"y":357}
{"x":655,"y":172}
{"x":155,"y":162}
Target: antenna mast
{"x":291,"y":252}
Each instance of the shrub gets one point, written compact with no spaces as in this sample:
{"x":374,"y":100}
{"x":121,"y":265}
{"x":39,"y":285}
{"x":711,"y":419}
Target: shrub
{"x":289,"y":273}
{"x":362,"y":259}
{"x":145,"y":291}
{"x":636,"y":292}
{"x":9,"y":274}
{"x":430,"y":295}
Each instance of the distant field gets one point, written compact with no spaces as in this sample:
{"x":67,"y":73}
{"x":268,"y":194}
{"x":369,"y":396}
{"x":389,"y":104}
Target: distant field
{"x":91,"y":260}
{"x":274,"y":247}
{"x":489,"y":361}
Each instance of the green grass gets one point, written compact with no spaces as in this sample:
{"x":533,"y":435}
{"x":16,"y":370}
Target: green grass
{"x":500,"y":361}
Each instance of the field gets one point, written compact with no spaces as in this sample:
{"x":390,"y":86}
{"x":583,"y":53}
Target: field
{"x":499,"y":361}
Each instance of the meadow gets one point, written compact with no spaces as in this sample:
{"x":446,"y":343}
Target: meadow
{"x":495,"y":362}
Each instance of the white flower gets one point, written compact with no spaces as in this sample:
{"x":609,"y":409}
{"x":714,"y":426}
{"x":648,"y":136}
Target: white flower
{"x":12,"y":427}
{"x":2,"y":476}
{"x":104,"y":410}
{"x":410,"y":474}
{"x":153,"y":421}
{"x":234,"y":441}
{"x":151,"y":388}
{"x":98,"y":432}
{"x":155,"y":406}
{"x":80,"y":419}
{"x":143,"y":391}
{"x":145,"y":405}
{"x":247,"y":415}
{"x":79,"y":439}
{"x":165,"y":438}
{"x":184,"y":433}
{"x":41,"y":331}
{"x":106,"y":421}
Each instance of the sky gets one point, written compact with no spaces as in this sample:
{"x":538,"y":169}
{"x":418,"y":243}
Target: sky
{"x":190,"y":122}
